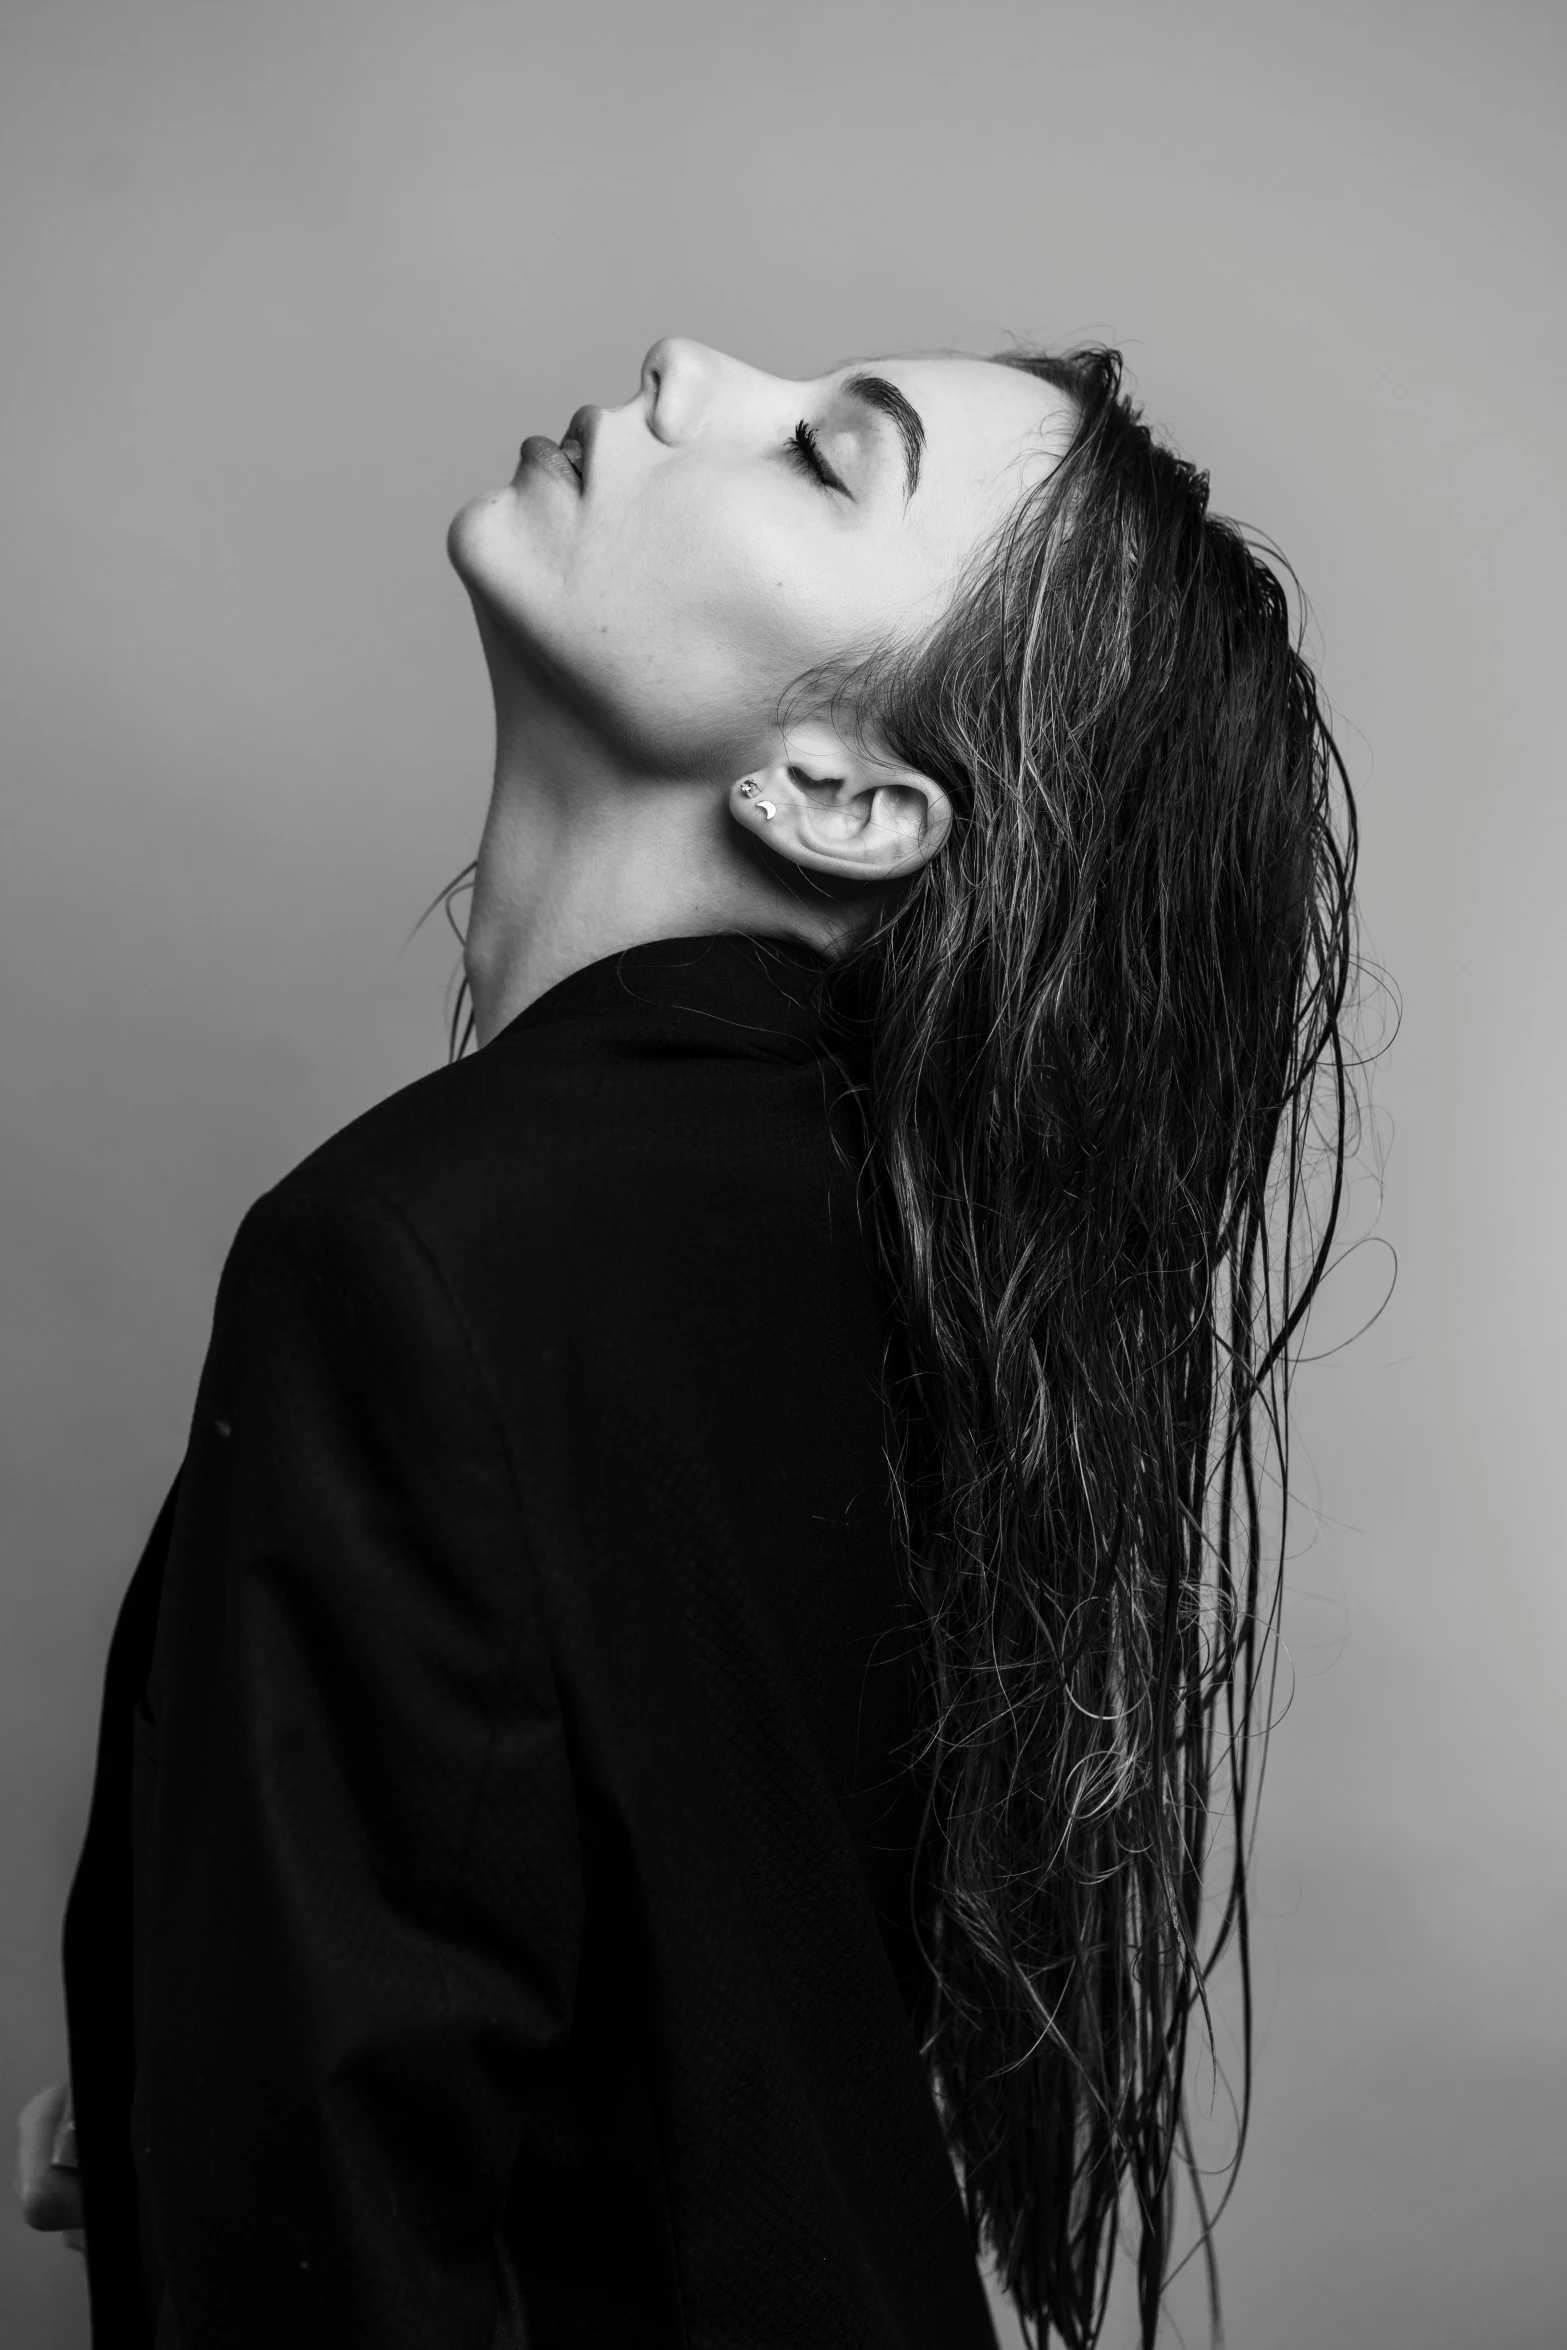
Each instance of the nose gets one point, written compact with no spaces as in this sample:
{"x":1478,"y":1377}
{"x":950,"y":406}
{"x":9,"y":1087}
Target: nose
{"x":679,"y":380}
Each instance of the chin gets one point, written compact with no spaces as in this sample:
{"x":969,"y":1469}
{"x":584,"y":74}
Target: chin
{"x":493,"y":566}
{"x":473,"y":541}
{"x":496,"y":551}
{"x":512,"y":604}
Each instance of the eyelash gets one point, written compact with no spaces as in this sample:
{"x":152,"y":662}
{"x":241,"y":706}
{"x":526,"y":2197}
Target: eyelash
{"x":803,"y":445}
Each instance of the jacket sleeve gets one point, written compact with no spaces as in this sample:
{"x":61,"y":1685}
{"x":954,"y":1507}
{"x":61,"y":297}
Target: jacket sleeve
{"x":96,"y":1949}
{"x":358,"y":1897}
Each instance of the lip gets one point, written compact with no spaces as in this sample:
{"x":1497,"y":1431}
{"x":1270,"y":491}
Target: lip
{"x":578,"y":440}
{"x":539,"y":452}
{"x":571,"y":457}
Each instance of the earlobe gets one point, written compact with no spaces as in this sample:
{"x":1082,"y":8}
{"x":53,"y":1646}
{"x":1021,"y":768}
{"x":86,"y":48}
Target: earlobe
{"x":749,"y":790}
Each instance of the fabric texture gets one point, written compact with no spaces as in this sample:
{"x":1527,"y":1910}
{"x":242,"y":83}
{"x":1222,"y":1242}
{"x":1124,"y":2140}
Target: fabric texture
{"x":495,"y":1916}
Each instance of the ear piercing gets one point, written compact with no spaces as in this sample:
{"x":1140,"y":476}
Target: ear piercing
{"x":766,"y":808}
{"x":748,"y":791}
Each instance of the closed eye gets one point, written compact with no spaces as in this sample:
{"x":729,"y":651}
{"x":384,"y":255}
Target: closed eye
{"x":804,"y":446}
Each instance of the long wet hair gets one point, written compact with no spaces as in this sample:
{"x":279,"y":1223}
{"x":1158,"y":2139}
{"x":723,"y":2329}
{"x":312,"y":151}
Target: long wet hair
{"x":1099,"y":1053}
{"x":1106,"y":1108}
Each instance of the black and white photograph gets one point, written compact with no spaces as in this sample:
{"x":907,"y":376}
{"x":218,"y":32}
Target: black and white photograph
{"x":781,"y":1541}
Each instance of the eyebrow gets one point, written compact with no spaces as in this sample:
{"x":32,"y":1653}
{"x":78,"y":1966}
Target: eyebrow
{"x":876,"y":392}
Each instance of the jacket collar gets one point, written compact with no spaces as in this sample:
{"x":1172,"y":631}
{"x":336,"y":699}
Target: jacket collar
{"x":726,"y":993}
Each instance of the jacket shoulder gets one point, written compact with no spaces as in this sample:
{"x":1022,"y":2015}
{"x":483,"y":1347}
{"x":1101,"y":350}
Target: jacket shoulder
{"x":455,"y":1143}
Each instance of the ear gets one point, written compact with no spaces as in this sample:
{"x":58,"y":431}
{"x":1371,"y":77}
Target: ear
{"x":833,"y":807}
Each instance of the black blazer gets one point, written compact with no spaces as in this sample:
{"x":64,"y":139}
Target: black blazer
{"x":499,"y":1865}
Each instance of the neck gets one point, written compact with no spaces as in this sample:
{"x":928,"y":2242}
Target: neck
{"x":581,"y":857}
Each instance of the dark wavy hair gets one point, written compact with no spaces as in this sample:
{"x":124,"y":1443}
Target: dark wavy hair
{"x":1098,"y":1046}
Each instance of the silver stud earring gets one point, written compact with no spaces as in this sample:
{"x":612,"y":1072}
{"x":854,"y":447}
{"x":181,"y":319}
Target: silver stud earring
{"x":766,"y":808}
{"x":750,"y":788}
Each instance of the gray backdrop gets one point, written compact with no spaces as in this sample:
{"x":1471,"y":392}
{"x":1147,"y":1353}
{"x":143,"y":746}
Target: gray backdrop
{"x":281,"y":287}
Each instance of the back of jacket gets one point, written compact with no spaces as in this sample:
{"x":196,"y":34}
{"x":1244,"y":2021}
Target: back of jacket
{"x":505,"y":1815}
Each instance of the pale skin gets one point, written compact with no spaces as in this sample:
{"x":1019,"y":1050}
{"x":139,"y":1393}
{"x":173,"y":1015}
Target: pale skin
{"x":647,"y":594}
{"x":645,"y":622}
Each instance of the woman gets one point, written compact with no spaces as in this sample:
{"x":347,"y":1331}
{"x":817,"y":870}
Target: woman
{"x":656,"y":1771}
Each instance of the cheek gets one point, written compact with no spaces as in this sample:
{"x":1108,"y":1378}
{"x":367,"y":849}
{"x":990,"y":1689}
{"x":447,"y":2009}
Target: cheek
{"x":678,"y":616}
{"x":695,"y":611}
{"x":720,"y":565}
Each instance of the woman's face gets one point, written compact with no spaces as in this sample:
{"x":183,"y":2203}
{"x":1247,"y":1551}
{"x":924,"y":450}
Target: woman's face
{"x":671,"y":567}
